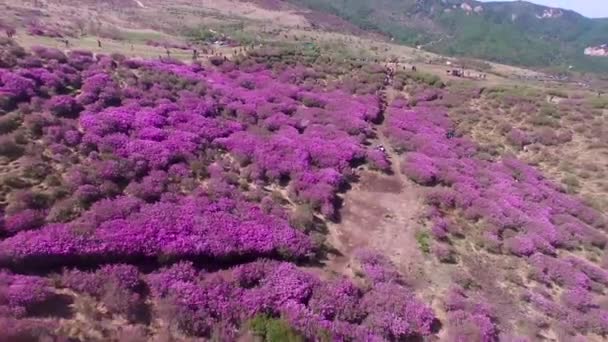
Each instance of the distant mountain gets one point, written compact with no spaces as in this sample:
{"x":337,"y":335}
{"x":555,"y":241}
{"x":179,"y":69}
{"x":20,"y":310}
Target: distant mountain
{"x":519,"y":33}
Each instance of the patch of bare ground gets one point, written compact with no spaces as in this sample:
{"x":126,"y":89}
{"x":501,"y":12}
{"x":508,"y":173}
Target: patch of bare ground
{"x":378,"y":213}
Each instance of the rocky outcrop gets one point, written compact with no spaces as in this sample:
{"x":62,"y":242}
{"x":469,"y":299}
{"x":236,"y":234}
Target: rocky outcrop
{"x":550,"y":13}
{"x":597,"y":51}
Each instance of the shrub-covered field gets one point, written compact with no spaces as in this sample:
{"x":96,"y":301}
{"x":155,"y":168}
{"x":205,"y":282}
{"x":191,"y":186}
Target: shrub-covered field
{"x":162,"y":200}
{"x":506,"y":208}
{"x":121,"y":163}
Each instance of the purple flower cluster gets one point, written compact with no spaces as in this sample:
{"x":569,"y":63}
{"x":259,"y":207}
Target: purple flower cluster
{"x":15,"y":88}
{"x":19,"y":293}
{"x":339,"y":309}
{"x":188,"y":226}
{"x":40,"y":29}
{"x":378,"y":160}
{"x":24,"y":220}
{"x":63,"y":105}
{"x":134,"y":151}
{"x":469,"y":319}
{"x":117,"y":286}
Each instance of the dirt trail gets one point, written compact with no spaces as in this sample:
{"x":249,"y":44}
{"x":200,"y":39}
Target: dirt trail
{"x":380,"y":212}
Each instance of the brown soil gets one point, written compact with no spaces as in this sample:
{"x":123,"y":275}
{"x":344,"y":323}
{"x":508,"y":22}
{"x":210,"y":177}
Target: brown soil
{"x":379,"y":213}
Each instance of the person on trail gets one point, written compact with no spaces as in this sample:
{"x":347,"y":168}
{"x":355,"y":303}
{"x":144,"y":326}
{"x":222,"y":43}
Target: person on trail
{"x":450,"y":134}
{"x":10,"y":32}
{"x":168,"y":53}
{"x":99,"y":43}
{"x":414,"y":68}
{"x":195,"y":54}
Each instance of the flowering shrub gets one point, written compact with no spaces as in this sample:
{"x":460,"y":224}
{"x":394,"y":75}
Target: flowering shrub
{"x":37,"y":29}
{"x":468,"y":318}
{"x":313,"y":307}
{"x":19,"y":293}
{"x":420,"y":168}
{"x":116,"y":286}
{"x":378,"y":160}
{"x":24,"y":220}
{"x":518,"y":138}
{"x":194,"y":226}
{"x":63,"y":105}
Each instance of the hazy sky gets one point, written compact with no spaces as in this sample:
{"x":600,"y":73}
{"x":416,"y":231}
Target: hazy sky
{"x":589,"y":8}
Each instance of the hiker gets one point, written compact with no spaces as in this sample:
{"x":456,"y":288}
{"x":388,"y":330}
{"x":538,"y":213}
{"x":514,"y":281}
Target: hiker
{"x":10,"y":32}
{"x":99,"y":43}
{"x":414,"y":68}
{"x":450,"y":134}
{"x":194,"y":54}
{"x":66,"y":42}
{"x":168,"y":53}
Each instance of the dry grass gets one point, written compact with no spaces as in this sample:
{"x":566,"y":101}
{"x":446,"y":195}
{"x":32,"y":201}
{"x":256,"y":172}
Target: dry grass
{"x":579,"y":165}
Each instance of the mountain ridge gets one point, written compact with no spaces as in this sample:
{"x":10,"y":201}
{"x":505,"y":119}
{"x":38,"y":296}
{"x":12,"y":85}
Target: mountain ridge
{"x":518,"y":33}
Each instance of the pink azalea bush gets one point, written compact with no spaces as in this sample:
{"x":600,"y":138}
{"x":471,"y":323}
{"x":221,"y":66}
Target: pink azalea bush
{"x":203,"y":301}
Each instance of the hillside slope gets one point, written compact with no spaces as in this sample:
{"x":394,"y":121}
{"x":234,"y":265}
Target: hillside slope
{"x":518,"y":33}
{"x":235,"y":170}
